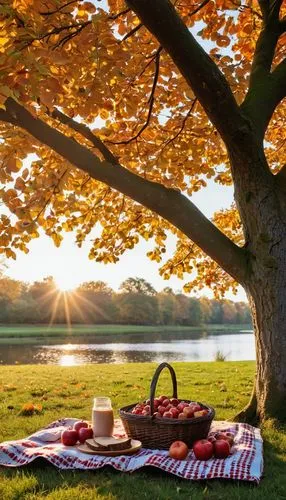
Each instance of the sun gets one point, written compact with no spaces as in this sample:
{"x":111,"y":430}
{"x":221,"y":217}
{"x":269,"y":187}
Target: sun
{"x":65,"y":283}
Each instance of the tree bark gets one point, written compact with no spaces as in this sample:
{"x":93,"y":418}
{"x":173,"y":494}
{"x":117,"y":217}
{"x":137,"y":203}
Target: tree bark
{"x":260,"y":200}
{"x":269,"y":318}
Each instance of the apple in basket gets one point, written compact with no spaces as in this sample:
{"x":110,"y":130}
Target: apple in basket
{"x":170,"y":408}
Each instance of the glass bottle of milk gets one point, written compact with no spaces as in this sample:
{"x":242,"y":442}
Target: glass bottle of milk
{"x":102,"y":417}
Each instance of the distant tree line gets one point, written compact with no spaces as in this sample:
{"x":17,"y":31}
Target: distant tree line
{"x":137,"y":302}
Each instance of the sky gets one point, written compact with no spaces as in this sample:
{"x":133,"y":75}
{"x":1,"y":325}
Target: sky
{"x":70,"y":265}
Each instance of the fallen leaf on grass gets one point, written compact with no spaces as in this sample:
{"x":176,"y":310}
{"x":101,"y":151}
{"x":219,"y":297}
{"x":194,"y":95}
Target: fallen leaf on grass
{"x":29,"y":409}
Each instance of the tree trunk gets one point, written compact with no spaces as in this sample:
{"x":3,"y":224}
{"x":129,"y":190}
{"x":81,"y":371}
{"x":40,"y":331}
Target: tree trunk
{"x":261,"y":205}
{"x":268,"y":304}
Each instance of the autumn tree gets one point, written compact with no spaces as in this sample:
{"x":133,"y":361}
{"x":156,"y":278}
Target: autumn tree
{"x":185,"y":92}
{"x":45,"y":294}
{"x":167,"y":306}
{"x":94,"y":303}
{"x":137,"y":285}
{"x":96,"y":287}
{"x":10,"y":291}
{"x":136,"y":308}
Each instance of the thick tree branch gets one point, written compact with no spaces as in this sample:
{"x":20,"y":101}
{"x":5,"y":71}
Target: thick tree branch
{"x":264,"y":7}
{"x":266,"y":89}
{"x":279,"y":74}
{"x":168,"y":203}
{"x":263,"y":98}
{"x":270,"y":10}
{"x":264,"y":53}
{"x":206,"y":80}
{"x":267,"y":40}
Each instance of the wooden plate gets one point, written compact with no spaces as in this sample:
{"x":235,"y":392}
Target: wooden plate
{"x":135,"y":446}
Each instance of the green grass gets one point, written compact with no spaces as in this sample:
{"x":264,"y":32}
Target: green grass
{"x":29,"y":334}
{"x":67,"y":391}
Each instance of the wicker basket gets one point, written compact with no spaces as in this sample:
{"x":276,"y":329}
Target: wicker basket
{"x":159,"y":433}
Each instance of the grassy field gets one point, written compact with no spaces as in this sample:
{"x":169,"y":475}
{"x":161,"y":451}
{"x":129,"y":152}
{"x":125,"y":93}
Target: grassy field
{"x":36,"y":333}
{"x":69,"y":391}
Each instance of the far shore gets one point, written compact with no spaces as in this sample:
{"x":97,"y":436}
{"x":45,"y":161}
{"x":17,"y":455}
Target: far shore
{"x":31,"y":334}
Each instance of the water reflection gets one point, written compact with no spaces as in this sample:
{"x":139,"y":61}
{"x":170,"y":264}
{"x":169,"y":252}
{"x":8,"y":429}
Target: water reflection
{"x":69,"y":360}
{"x":112,"y":349}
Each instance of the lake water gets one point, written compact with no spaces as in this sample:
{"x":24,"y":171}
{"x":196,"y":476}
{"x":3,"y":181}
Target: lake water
{"x":186,"y":346}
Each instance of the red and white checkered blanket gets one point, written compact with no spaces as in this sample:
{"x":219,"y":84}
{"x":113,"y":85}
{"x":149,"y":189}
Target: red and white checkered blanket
{"x":245,"y":463}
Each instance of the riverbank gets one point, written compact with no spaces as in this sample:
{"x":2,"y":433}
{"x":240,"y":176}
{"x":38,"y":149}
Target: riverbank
{"x":66,"y":392}
{"x":12,"y":334}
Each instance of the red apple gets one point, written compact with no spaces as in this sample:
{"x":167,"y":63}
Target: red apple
{"x":69,"y":437}
{"x":182,"y":416}
{"x":166,"y":402}
{"x":157,"y":403}
{"x":221,"y":448}
{"x":145,"y":413}
{"x":79,"y":425}
{"x":203,"y":449}
{"x":85,"y":433}
{"x":174,"y":401}
{"x":147,"y":408}
{"x":137,"y":411}
{"x":168,"y":407}
{"x":162,"y":398}
{"x":174,"y":412}
{"x":178,"y":450}
{"x":195,"y":407}
{"x":167,"y":414}
{"x":182,"y":405}
{"x":161,"y":409}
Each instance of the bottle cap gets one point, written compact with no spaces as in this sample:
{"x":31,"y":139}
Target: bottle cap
{"x":102,"y":402}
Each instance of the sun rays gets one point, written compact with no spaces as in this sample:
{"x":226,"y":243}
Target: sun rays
{"x":71,"y":306}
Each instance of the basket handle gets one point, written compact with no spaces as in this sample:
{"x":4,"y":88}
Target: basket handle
{"x":154,"y":382}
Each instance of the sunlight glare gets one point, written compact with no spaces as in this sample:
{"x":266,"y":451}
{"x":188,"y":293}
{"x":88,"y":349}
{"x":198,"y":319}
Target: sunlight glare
{"x":68,"y":360}
{"x":65,"y":283}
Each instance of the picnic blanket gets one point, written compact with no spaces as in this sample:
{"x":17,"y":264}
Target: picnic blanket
{"x":245,"y":462}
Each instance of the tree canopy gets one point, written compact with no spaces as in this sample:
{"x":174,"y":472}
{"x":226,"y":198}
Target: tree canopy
{"x":159,"y":137}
